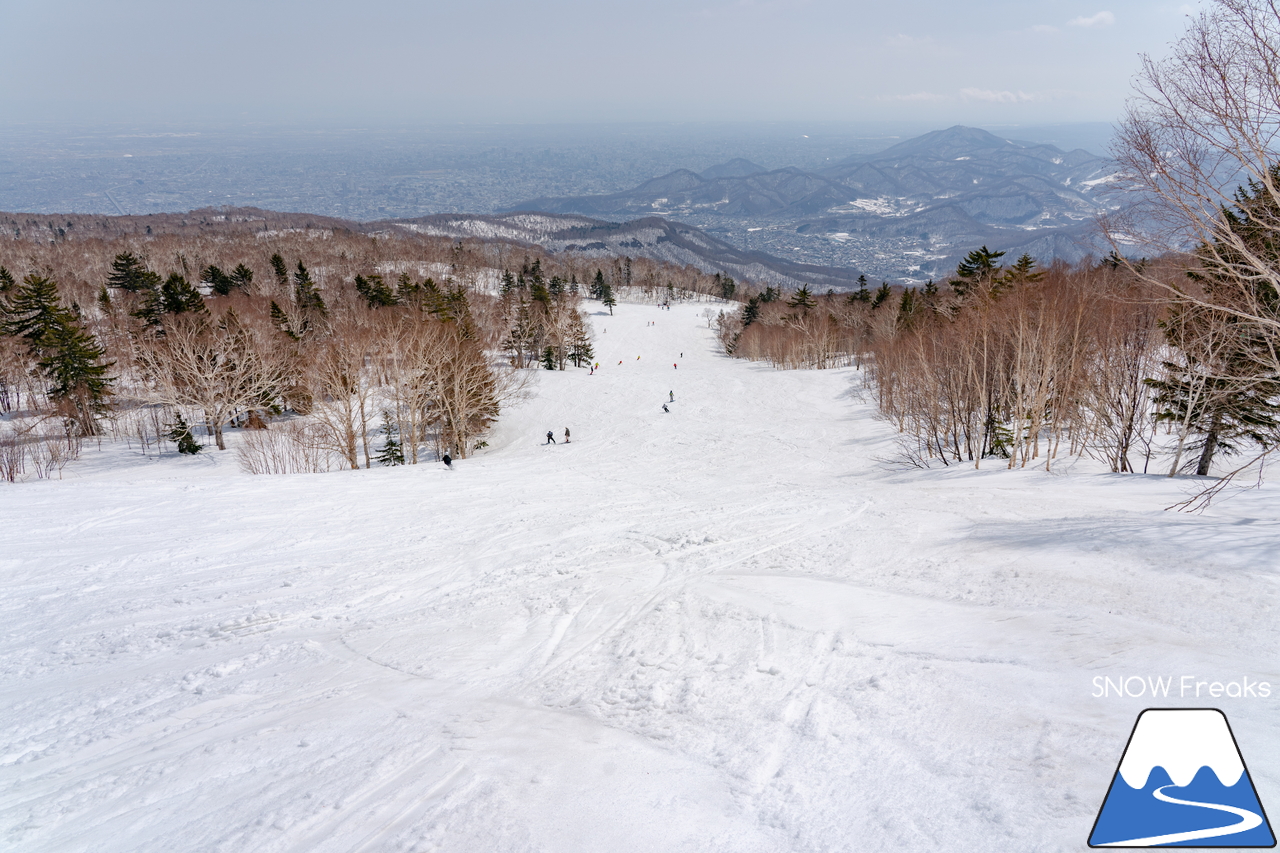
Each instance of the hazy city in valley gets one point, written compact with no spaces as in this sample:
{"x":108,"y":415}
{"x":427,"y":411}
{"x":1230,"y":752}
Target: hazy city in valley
{"x":719,"y":426}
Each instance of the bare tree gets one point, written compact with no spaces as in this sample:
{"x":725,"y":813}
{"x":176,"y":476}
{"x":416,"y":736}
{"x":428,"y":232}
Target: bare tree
{"x":1203,"y":122}
{"x":218,"y":367}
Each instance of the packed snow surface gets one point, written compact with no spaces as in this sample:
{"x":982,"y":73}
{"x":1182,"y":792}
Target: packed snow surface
{"x":737,"y":626}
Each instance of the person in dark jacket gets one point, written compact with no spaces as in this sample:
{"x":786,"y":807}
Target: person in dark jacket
{"x":551,"y":439}
{"x":448,"y":461}
{"x":566,"y":435}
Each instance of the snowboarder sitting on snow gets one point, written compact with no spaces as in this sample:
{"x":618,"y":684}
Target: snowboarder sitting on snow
{"x":665,"y":409}
{"x":448,"y":461}
{"x":551,"y":439}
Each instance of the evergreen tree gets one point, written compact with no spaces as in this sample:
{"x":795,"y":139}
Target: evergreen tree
{"x":802,"y":299}
{"x":549,"y":358}
{"x":751,"y":311}
{"x":392,"y":452}
{"x":375,"y":291}
{"x":241,"y":277}
{"x":1023,"y":271}
{"x":220,"y":284}
{"x":771,"y":294}
{"x":33,"y":309}
{"x":508,"y":282}
{"x":175,"y":296}
{"x":130,"y":274}
{"x":281,"y":321}
{"x":978,"y":271}
{"x":907,"y":307}
{"x":72,"y":360}
{"x":305,"y":294}
{"x":608,"y":299}
{"x":862,"y":294}
{"x":726,"y":286}
{"x":1223,"y":386}
{"x":580,"y":349}
{"x":598,"y":286}
{"x":180,"y":434}
{"x":279,"y":268}
{"x":7,"y":284}
{"x":882,"y":293}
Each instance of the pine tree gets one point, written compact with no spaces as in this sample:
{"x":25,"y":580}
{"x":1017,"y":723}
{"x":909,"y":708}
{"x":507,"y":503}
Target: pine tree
{"x":130,"y":274}
{"x":1223,"y":386}
{"x":279,"y":268}
{"x":802,"y":299}
{"x":598,"y":286}
{"x":306,"y":295}
{"x":72,"y":360}
{"x":862,"y":294}
{"x":549,"y":358}
{"x":1023,"y":271}
{"x":220,"y":284}
{"x":392,"y":452}
{"x":241,"y":277}
{"x":580,"y":349}
{"x":608,"y":299}
{"x":978,"y":271}
{"x":751,"y":311}
{"x":375,"y":291}
{"x":281,"y":321}
{"x":882,"y":293}
{"x":180,"y":433}
{"x":175,"y":296}
{"x":33,"y":309}
{"x":7,"y":284}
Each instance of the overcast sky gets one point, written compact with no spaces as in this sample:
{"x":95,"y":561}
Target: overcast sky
{"x":400,"y":61}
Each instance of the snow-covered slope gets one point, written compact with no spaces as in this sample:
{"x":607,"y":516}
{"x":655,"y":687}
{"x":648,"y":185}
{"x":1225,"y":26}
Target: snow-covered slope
{"x":732,"y":627}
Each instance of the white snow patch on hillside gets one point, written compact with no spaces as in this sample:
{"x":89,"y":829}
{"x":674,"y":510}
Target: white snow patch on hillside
{"x":731,"y":627}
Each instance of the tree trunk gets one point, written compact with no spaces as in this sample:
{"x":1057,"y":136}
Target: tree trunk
{"x":1206,"y":455}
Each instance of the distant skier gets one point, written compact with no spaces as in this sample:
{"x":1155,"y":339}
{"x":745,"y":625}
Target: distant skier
{"x":551,"y":439}
{"x":665,"y":409}
{"x":675,"y":366}
{"x":448,"y":461}
{"x":566,"y":435}
{"x":673,"y":396}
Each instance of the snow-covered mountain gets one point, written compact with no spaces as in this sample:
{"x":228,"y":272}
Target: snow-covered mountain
{"x":650,"y":237}
{"x":942,"y":193}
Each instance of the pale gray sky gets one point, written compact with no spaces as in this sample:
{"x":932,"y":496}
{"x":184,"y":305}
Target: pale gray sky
{"x":399,"y":61}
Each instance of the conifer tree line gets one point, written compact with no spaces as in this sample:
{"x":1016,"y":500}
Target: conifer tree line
{"x":327,"y":347}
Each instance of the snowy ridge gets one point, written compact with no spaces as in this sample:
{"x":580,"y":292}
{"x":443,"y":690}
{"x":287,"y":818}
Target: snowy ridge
{"x":1181,"y":742}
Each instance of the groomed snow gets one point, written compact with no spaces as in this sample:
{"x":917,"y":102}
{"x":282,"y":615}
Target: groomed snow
{"x":733,"y":627}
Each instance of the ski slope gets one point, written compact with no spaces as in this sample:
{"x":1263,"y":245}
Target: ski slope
{"x":733,"y":627}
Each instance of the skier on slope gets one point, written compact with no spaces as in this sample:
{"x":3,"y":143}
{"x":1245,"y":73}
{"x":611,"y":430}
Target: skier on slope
{"x":551,"y":439}
{"x":448,"y":461}
{"x":566,"y":435}
{"x":673,"y":396}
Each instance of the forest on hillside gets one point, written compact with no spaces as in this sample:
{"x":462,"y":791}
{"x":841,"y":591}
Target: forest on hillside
{"x":325,"y":346}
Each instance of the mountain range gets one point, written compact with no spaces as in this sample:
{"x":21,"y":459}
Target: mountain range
{"x":919,"y":205}
{"x":650,"y":237}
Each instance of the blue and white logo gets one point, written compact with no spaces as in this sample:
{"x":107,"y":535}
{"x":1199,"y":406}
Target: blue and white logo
{"x":1182,"y":783}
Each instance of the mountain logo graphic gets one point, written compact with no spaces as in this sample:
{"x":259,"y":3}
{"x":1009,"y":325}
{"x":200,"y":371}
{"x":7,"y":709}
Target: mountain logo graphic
{"x":1182,"y":783}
